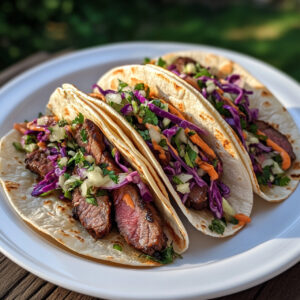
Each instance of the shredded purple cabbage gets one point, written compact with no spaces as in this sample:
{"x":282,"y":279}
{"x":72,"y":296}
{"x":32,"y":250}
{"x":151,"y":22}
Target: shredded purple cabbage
{"x":262,"y":147}
{"x":170,"y":132}
{"x":224,"y":189}
{"x":103,"y":92}
{"x":117,"y":160}
{"x":49,"y":183}
{"x":215,"y":200}
{"x":127,"y":109}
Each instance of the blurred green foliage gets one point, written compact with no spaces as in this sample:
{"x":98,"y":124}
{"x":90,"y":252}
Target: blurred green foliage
{"x":268,"y":32}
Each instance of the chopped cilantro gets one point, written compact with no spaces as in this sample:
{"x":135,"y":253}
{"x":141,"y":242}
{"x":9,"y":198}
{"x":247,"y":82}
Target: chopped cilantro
{"x":234,"y":221}
{"x":122,"y":85}
{"x":77,"y":158}
{"x":282,"y":181}
{"x":253,"y":128}
{"x":68,"y":195}
{"x":18,"y":146}
{"x":264,"y":177}
{"x":30,"y":139}
{"x":201,"y":84}
{"x":219,"y":107}
{"x":146,"y":60}
{"x":46,"y":193}
{"x":83,"y":134}
{"x":202,"y":72}
{"x":145,"y":134}
{"x":243,"y":123}
{"x":176,"y":180}
{"x":191,"y":153}
{"x":62,"y":123}
{"x":158,"y":103}
{"x":217,"y":226}
{"x":40,"y":114}
{"x":67,"y":176}
{"x":160,"y":62}
{"x":149,"y":117}
{"x":163,"y":143}
{"x":277,"y":158}
{"x":91,"y":200}
{"x":164,"y":257}
{"x":79,"y":119}
{"x":139,"y":86}
{"x":112,"y":175}
{"x":191,"y":133}
{"x":101,"y":193}
{"x":261,"y":137}
{"x":215,"y":163}
{"x":117,"y":247}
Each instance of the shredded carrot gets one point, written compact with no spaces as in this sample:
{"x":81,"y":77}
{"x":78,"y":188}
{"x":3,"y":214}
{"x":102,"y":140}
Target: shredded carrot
{"x":97,"y":96}
{"x":243,"y":219}
{"x":208,"y":168}
{"x":34,"y":127}
{"x":42,"y":145}
{"x":140,"y":120}
{"x":64,"y":144}
{"x":56,"y":118}
{"x":156,"y":128}
{"x":162,"y":154}
{"x":196,"y":139}
{"x":245,"y":134}
{"x":21,"y":127}
{"x":128,"y":200}
{"x":286,"y":160}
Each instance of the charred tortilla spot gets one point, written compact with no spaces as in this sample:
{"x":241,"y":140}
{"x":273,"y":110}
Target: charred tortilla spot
{"x":203,"y":226}
{"x":276,"y":126}
{"x":267,"y":104}
{"x":295,"y":176}
{"x":74,"y":231}
{"x":219,"y":135}
{"x":61,"y":208}
{"x":177,"y":87}
{"x":163,"y":78}
{"x":10,"y":185}
{"x":181,"y":106}
{"x":226,"y":68}
{"x":79,"y":238}
{"x":283,"y":108}
{"x":118,"y":71}
{"x":266,"y":93}
{"x":63,"y":233}
{"x":226,"y":143}
{"x":66,"y":111}
{"x":50,"y":214}
{"x":47,"y":202}
{"x":97,"y":96}
{"x":114,"y":85}
{"x":296,"y":165}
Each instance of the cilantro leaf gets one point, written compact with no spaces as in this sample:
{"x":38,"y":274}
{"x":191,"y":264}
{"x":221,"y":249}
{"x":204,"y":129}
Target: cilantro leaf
{"x":164,"y":257}
{"x":264,"y":177}
{"x":139,"y":86}
{"x":18,"y":146}
{"x":234,"y":221}
{"x":163,"y":143}
{"x":77,"y":158}
{"x":191,"y":153}
{"x":176,"y":180}
{"x":112,"y":175}
{"x":146,"y":60}
{"x":150,"y":117}
{"x":145,"y":134}
{"x":91,"y":200}
{"x":202,"y":72}
{"x":83,"y":134}
{"x":62,"y":123}
{"x":122,"y":85}
{"x":101,"y":193}
{"x":282,"y":181}
{"x":191,"y":133}
{"x":253,"y":128}
{"x":161,"y":63}
{"x":79,"y":119}
{"x":117,"y":247}
{"x":217,"y":226}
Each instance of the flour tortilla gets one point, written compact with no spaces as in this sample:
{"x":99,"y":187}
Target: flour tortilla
{"x":54,"y":217}
{"x":165,"y":87}
{"x":270,"y":111}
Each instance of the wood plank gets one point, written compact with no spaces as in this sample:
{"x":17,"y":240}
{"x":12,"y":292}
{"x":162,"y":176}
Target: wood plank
{"x":10,"y":274}
{"x":58,"y":293}
{"x":285,"y":286}
{"x":26,"y":287}
{"x":76,"y":296}
{"x":44,"y":291}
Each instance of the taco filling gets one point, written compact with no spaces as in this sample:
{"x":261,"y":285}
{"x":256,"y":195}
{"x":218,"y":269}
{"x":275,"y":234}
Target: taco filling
{"x":191,"y":165}
{"x":76,"y":162}
{"x":270,"y":151}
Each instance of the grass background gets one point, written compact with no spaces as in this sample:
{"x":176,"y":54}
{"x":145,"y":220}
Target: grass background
{"x":268,"y":30}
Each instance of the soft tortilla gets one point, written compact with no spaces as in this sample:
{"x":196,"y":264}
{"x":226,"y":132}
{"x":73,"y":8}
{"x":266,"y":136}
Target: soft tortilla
{"x":163,"y":86}
{"x":54,"y":217}
{"x":270,"y":110}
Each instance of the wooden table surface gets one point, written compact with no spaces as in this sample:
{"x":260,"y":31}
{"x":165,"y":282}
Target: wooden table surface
{"x":17,"y":283}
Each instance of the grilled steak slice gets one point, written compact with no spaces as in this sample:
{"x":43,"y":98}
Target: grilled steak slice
{"x":95,"y":219}
{"x":276,"y":137}
{"x":138,"y":222}
{"x":197,"y":198}
{"x":94,"y":144}
{"x":180,"y":63}
{"x":38,"y":163}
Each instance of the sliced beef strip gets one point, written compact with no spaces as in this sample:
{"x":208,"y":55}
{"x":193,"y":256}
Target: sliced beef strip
{"x":138,"y":222}
{"x":197,"y":198}
{"x":38,"y":163}
{"x":95,"y":145}
{"x":276,"y":137}
{"x":181,"y":61}
{"x":95,"y":219}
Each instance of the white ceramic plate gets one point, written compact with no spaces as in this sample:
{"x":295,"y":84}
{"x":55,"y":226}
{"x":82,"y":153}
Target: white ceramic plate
{"x":211,"y":267}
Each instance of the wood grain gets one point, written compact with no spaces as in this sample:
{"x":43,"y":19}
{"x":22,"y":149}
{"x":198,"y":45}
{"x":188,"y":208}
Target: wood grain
{"x":17,"y":283}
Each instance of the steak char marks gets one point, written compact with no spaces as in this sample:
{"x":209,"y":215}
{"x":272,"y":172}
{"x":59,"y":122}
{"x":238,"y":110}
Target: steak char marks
{"x":38,"y":163}
{"x":276,"y":137}
{"x":95,"y":219}
{"x":137,"y":221}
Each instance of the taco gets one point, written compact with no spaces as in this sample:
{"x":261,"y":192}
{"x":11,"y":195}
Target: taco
{"x":262,"y":130}
{"x":202,"y":172}
{"x":70,"y":177}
